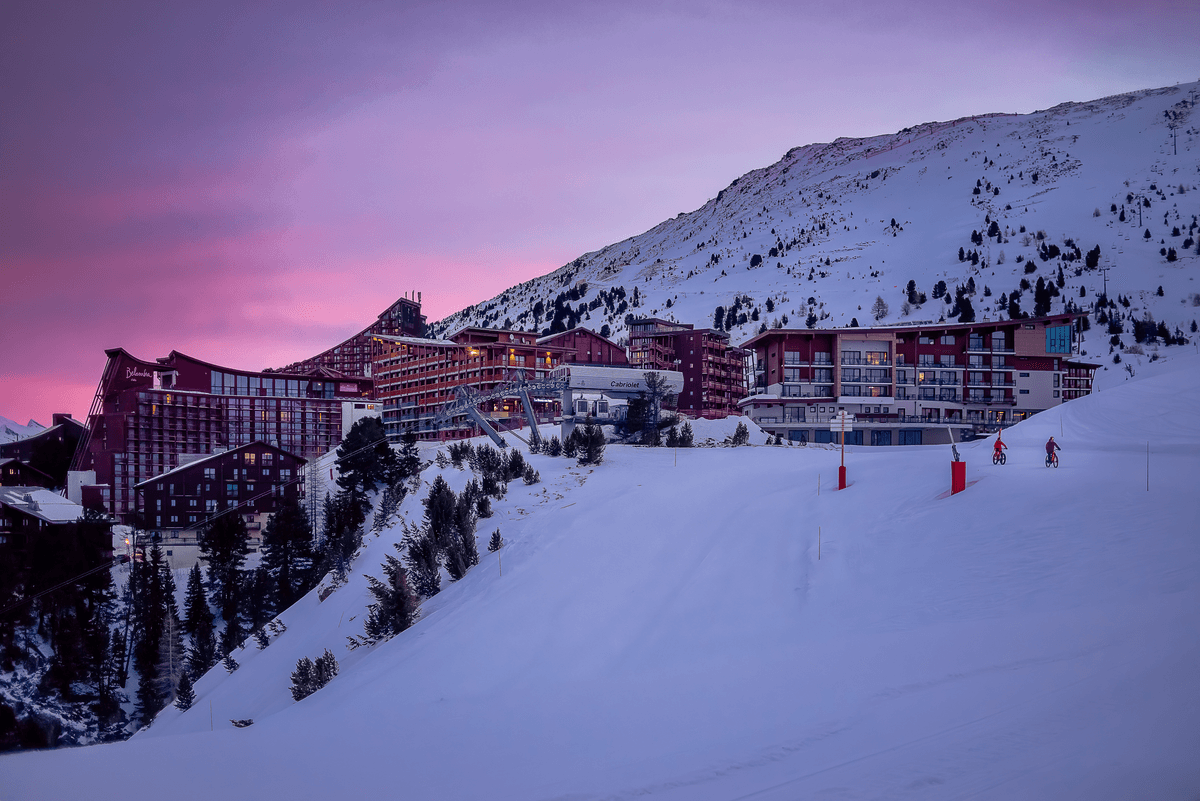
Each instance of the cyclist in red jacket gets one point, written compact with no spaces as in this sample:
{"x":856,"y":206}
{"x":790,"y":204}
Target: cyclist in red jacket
{"x":1000,"y":446}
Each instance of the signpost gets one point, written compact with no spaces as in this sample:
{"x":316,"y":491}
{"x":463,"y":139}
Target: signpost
{"x":843,"y":422}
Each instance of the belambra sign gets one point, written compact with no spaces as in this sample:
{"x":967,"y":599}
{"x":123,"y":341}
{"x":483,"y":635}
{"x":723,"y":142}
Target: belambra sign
{"x":613,"y":380}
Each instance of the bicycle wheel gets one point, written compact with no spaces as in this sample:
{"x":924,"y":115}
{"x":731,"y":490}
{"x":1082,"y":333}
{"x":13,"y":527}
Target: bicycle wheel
{"x":1003,"y":458}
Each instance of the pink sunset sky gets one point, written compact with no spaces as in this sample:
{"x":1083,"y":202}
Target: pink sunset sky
{"x":250,"y":183}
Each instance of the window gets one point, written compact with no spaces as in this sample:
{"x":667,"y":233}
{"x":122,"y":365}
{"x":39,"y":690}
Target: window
{"x":158,"y":504}
{"x":823,"y":374}
{"x":1056,"y":380}
{"x":822,"y":358}
{"x":791,"y":357}
{"x":210,"y":473}
{"x":267,"y":458}
{"x":231,"y":488}
{"x":210,"y":506}
{"x":791,"y":374}
{"x":850,"y":374}
{"x":881,"y":437}
{"x":1023,"y":391}
{"x":946,"y":361}
{"x":1058,"y":339}
{"x":975,"y":361}
{"x":266,"y":471}
{"x":851,"y":357}
{"x":877,"y":376}
{"x":174,"y":519}
{"x":947,"y":339}
{"x":1024,"y":375}
{"x":910,"y":436}
{"x":975,"y":342}
{"x":249,"y":458}
{"x":1056,"y":393}
{"x":998,"y":362}
{"x":285,"y":473}
{"x":925,"y":360}
{"x":925,"y":340}
{"x":998,"y":340}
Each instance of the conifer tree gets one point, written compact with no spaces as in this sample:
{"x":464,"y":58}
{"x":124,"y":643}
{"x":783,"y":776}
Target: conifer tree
{"x":365,"y":460}
{"x":395,"y":606}
{"x":185,"y":696}
{"x":741,"y":435}
{"x":421,"y":558}
{"x":223,"y":544}
{"x":149,"y":627}
{"x":672,"y":437}
{"x":496,"y":542}
{"x":287,"y":552}
{"x":203,"y":653}
{"x":195,"y":600}
{"x":440,"y":507}
{"x":591,"y":449}
{"x":409,"y":463}
{"x":554,"y":446}
{"x":686,"y":437}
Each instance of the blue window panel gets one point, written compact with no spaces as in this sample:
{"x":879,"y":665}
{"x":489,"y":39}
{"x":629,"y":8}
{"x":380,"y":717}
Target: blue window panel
{"x":1058,"y":339}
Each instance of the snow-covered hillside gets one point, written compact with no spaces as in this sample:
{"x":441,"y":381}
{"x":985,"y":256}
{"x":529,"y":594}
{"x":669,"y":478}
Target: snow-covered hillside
{"x":830,"y":227}
{"x":11,"y":431}
{"x":717,"y":624}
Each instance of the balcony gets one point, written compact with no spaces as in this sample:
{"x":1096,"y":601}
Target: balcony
{"x":971,"y":348}
{"x":866,"y":361}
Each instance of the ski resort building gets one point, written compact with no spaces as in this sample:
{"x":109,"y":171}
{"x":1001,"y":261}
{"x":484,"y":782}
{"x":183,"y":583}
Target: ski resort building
{"x":151,"y":417}
{"x":714,"y":372}
{"x":27,"y":513}
{"x":584,"y":346}
{"x":250,"y":481}
{"x":909,"y":385}
{"x":44,"y":457}
{"x":353,"y":357}
{"x":416,"y":377}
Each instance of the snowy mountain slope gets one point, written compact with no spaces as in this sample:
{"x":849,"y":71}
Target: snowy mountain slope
{"x":1035,"y":636}
{"x":11,"y":432}
{"x":858,"y":218}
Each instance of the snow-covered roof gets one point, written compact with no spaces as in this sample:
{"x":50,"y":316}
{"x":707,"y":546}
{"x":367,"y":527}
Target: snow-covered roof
{"x":41,"y":503}
{"x":444,"y":343}
{"x":194,"y":462}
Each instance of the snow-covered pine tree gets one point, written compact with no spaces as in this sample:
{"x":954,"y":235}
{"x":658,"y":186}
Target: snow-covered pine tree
{"x":421,"y":558}
{"x":302,"y":679}
{"x":496,"y":542}
{"x":686,"y":436}
{"x":395,"y":606}
{"x":185,"y":696}
{"x":741,"y":435}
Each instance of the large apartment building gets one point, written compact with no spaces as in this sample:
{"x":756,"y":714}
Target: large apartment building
{"x":150,"y":417}
{"x":714,"y":372}
{"x":909,"y":385}
{"x":416,"y":377}
{"x":353,"y":357}
{"x":250,"y":481}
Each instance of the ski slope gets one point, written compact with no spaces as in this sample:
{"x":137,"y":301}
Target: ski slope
{"x":718,"y":624}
